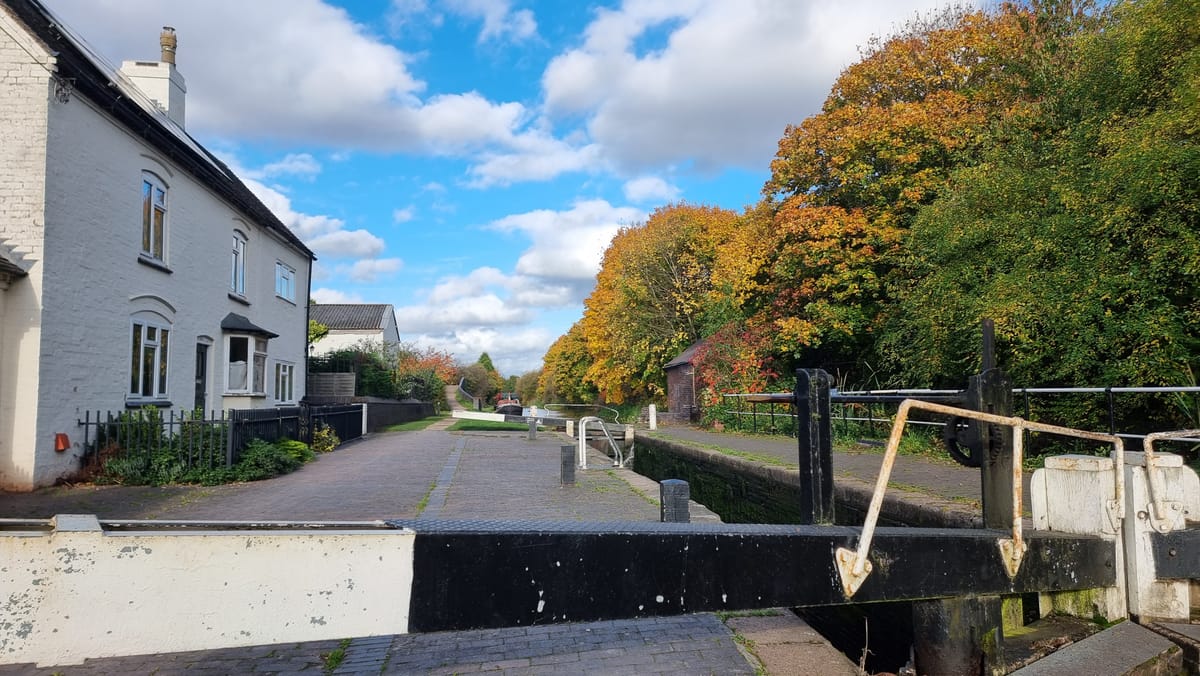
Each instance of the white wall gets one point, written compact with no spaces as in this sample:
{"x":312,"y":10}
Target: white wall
{"x":344,"y":340}
{"x":81,"y":592}
{"x":25,"y":89}
{"x":73,"y":355}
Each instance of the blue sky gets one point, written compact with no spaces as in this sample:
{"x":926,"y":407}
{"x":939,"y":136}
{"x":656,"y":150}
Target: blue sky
{"x":468,"y":161}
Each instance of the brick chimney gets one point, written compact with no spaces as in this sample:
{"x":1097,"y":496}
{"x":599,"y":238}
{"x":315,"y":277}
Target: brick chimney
{"x":159,"y":80}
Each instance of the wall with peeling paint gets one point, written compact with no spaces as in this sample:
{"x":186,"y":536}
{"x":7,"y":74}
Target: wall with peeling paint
{"x":79,"y":591}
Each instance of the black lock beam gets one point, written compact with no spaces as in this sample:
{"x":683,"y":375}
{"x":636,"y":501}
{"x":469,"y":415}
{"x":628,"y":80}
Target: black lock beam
{"x":1176,"y":554}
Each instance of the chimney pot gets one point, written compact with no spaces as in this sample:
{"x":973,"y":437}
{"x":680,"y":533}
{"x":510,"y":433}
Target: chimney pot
{"x":166,"y":39}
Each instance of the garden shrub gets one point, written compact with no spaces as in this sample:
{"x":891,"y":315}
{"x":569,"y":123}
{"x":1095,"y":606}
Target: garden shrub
{"x":324,"y":439}
{"x":297,"y":449}
{"x":263,"y":460}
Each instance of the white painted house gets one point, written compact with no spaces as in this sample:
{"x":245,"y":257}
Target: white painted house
{"x":135,"y":268}
{"x":352,"y":324}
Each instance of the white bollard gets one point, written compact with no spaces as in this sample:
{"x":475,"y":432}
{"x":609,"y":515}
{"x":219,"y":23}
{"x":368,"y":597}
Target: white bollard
{"x":653,"y":417}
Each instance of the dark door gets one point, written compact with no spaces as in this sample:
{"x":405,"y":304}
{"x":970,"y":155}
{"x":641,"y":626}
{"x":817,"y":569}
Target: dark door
{"x":201,"y":375}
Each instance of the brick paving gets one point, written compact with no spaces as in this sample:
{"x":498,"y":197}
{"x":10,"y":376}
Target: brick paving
{"x":497,"y":475}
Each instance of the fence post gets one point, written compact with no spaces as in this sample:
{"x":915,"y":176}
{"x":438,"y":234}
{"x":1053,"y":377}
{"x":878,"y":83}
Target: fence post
{"x":232,"y":425}
{"x":364,"y":418}
{"x":814,"y":438}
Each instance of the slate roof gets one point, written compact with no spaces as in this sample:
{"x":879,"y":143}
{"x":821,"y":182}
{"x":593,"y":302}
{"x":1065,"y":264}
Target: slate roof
{"x":684,"y":357}
{"x":350,"y":316}
{"x":9,"y":268}
{"x":91,"y":76}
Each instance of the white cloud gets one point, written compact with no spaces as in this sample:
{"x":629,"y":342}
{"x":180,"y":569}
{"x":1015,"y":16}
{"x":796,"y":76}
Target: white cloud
{"x":650,"y":188}
{"x":728,"y":79}
{"x":333,"y":296}
{"x":371,"y":269}
{"x":473,"y":284}
{"x":404,"y":215}
{"x":347,"y":244}
{"x":499,"y":20}
{"x":487,"y":310}
{"x":512,"y":351}
{"x":567,"y":246}
{"x":535,"y":159}
{"x":301,"y":165}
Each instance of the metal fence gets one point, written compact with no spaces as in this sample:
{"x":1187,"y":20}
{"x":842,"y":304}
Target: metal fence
{"x":870,"y":412}
{"x":199,"y":441}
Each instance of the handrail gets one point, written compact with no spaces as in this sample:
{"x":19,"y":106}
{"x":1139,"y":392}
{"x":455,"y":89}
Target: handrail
{"x":854,"y":566}
{"x":617,"y":453}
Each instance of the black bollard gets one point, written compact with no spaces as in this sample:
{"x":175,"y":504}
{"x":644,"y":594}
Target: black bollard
{"x":567,"y":475}
{"x":673,"y":501}
{"x":816,"y":446}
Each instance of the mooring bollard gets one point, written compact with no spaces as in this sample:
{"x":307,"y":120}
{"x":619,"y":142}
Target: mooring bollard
{"x":567,"y":474}
{"x":673,"y":500}
{"x":532,"y":428}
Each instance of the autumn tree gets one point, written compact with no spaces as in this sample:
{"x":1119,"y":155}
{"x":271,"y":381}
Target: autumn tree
{"x":847,"y":182}
{"x":563,"y":378}
{"x":650,"y":298}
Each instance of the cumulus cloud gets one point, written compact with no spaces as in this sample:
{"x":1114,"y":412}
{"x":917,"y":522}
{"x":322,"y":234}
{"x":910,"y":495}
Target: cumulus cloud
{"x":482,"y":311}
{"x":300,"y":165}
{"x":499,"y":20}
{"x":567,"y":246}
{"x":348,"y":244}
{"x":727,"y":79}
{"x":313,"y":74}
{"x":370,"y":270}
{"x":650,"y":188}
{"x":333,"y":296}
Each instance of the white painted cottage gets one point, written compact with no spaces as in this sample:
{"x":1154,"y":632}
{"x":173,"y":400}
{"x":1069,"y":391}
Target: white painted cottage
{"x":135,"y":268}
{"x":354,"y":324}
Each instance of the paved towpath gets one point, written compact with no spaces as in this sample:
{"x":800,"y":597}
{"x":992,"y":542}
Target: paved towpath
{"x":426,"y":474}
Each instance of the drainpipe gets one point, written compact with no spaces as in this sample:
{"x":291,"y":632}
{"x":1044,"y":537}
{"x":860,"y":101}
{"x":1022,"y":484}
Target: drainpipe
{"x":307,"y":317}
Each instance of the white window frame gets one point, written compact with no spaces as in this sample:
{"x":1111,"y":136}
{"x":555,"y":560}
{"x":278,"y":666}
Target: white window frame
{"x":285,"y":281}
{"x":158,"y":351}
{"x":285,"y":382}
{"x":237,"y":277}
{"x":254,"y":378}
{"x":154,"y":217}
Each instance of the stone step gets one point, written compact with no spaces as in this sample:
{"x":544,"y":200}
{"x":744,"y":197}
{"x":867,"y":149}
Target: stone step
{"x":1125,"y":649}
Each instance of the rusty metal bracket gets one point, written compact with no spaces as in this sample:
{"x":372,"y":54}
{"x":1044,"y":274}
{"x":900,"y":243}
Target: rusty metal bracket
{"x":1160,"y":520}
{"x":854,"y":566}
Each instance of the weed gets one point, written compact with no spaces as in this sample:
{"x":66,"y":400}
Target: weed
{"x":333,"y":659}
{"x":425,"y":498}
{"x":324,"y":439}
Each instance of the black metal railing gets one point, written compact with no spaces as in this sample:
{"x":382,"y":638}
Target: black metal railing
{"x":197,"y":440}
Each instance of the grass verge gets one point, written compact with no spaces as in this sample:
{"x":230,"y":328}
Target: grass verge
{"x":414,"y":425}
{"x":488,"y":426}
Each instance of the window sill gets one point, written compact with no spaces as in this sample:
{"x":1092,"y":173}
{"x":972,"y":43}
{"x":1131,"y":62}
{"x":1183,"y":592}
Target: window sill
{"x":248,"y":395}
{"x":147,"y":403}
{"x":285,"y":299}
{"x":239,"y":298}
{"x":154,"y":263}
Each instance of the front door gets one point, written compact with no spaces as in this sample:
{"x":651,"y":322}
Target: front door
{"x":201,"y":375}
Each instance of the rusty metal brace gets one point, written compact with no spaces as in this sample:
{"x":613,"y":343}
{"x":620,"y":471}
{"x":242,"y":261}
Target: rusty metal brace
{"x":1159,"y":519}
{"x":854,"y":566}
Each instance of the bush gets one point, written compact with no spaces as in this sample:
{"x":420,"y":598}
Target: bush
{"x":324,"y":439}
{"x":263,"y":460}
{"x":297,"y":449}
